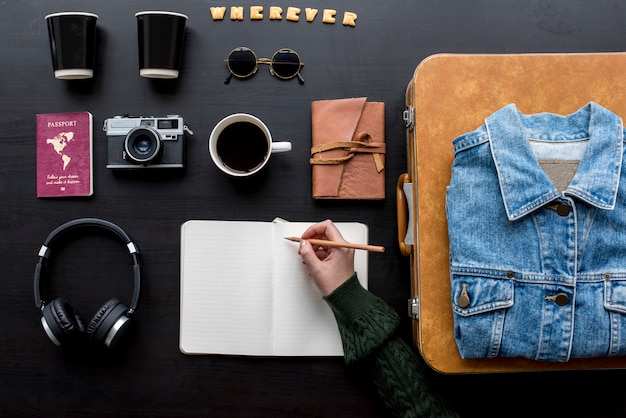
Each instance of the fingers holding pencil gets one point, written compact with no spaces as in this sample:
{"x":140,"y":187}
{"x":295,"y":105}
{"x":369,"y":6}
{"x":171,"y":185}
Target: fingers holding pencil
{"x":328,"y":266}
{"x":325,"y":234}
{"x":326,"y":230}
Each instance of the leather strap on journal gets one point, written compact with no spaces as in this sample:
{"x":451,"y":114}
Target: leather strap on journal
{"x":348,"y":149}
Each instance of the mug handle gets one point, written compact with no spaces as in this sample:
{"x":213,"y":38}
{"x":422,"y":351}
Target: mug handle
{"x":281,"y":146}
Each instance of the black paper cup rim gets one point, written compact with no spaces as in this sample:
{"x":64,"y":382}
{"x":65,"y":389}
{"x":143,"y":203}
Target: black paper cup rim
{"x":161,"y":12}
{"x":72,"y":14}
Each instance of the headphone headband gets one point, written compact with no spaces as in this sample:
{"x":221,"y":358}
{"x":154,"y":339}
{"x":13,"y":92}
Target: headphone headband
{"x":44,"y":253}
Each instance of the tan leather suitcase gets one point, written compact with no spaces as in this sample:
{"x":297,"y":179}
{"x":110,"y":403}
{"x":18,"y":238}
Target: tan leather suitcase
{"x":452,"y":94}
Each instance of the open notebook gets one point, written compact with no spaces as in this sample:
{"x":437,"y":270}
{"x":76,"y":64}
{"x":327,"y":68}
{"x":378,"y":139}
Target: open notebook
{"x":245,"y":291}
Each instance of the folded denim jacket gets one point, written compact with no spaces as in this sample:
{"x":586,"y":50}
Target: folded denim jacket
{"x":536,"y":211}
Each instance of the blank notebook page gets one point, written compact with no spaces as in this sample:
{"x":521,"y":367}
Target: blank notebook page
{"x":226,"y":299}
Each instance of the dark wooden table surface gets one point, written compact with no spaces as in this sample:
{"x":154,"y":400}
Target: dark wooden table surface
{"x":148,"y":376}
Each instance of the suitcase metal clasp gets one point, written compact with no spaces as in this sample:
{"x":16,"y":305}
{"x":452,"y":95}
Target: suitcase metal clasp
{"x":414,"y":308}
{"x":409,"y":117}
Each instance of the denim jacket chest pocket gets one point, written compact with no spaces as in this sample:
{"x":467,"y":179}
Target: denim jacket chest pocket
{"x":615,"y":296}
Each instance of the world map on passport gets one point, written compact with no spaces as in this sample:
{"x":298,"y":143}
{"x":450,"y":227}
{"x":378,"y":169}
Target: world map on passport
{"x":59,"y":144}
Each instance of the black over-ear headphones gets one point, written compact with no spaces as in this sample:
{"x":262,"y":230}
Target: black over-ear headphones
{"x":61,"y":322}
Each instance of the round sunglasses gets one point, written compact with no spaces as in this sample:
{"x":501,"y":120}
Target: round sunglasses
{"x":285,"y":64}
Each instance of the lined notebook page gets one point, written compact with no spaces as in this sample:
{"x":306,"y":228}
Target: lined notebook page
{"x":245,"y":291}
{"x":226,"y":297}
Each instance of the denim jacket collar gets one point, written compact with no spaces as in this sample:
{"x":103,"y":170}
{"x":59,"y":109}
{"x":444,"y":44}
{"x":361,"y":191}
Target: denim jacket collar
{"x":525,"y":186}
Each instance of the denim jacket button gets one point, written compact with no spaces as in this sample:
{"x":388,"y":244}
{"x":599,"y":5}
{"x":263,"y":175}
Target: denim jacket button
{"x":561,"y":299}
{"x":463,"y":301}
{"x":562,"y":209}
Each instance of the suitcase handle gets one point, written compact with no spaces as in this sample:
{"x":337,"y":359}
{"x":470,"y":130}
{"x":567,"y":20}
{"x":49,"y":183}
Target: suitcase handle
{"x":402,"y":213}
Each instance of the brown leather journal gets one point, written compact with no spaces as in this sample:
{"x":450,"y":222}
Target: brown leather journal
{"x":348,"y":149}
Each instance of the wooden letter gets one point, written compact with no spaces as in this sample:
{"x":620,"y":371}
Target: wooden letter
{"x":236,"y":13}
{"x":256,"y":12}
{"x":217,"y":13}
{"x":329,"y":16}
{"x":349,"y":19}
{"x":310,"y":14}
{"x":275,"y":13}
{"x":293,"y":14}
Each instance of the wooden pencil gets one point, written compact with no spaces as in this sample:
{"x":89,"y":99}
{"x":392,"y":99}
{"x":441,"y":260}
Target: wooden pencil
{"x":326,"y":243}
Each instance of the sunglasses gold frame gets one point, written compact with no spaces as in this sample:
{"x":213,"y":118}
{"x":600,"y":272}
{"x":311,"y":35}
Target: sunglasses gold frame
{"x":268,"y":61}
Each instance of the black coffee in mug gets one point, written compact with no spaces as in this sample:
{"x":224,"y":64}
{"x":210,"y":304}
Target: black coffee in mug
{"x":242,"y":146}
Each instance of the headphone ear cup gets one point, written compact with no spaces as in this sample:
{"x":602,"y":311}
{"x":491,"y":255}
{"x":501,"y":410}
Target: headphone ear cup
{"x":108,"y":324}
{"x":61,"y":322}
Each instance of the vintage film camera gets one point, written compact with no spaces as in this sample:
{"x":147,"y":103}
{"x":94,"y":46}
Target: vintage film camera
{"x":145,"y":142}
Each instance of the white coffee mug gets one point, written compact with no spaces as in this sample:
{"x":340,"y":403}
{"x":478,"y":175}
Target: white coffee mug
{"x":241,"y":145}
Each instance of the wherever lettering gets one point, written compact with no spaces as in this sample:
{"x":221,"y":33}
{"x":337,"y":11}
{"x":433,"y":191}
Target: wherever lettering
{"x":292,"y":14}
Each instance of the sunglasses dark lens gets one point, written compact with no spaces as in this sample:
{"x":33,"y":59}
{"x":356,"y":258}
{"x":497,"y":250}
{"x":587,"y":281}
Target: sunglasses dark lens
{"x":242,"y":62}
{"x":286,"y":63}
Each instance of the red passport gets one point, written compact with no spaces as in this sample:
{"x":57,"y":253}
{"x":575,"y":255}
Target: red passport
{"x":64,"y":154}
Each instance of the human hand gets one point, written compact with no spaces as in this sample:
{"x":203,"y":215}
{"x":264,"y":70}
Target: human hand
{"x":329,"y":266}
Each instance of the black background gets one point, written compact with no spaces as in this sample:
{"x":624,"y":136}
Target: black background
{"x":148,"y":376}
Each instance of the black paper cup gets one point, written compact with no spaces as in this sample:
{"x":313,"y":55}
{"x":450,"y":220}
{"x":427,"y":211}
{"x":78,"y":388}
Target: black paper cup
{"x":72,"y":44}
{"x":160,"y":36}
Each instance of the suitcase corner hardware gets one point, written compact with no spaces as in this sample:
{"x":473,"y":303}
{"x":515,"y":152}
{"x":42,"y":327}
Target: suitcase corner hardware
{"x":409,"y":117}
{"x":414,"y":308}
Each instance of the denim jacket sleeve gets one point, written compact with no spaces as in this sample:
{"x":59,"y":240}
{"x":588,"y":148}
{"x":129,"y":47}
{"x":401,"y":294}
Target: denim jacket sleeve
{"x":368,"y":332}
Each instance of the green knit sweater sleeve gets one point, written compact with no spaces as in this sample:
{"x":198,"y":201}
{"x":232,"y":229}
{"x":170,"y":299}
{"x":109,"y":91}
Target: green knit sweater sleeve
{"x":368,"y":332}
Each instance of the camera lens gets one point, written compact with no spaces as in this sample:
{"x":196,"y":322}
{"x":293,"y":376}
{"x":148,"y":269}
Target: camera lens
{"x":142,"y":145}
